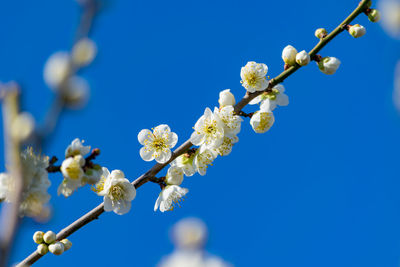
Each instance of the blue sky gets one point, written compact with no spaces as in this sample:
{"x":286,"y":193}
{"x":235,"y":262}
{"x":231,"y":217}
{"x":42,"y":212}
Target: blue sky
{"x":319,"y":189}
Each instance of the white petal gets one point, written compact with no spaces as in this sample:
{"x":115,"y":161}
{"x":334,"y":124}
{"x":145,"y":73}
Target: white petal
{"x":266,"y":105}
{"x":143,"y":135}
{"x":157,"y":204}
{"x":173,"y":139}
{"x":160,"y":129}
{"x":146,"y":155}
{"x":122,"y":207}
{"x":197,"y":139}
{"x":282,"y":99}
{"x":164,"y":156}
{"x":255,"y":100}
{"x":107,"y":204}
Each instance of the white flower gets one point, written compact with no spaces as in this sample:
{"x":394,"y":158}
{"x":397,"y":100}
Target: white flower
{"x":185,"y":162}
{"x":303,"y":58}
{"x":226,"y":98}
{"x":76,"y":148}
{"x":231,"y":122}
{"x":22,"y":126}
{"x":92,"y":175}
{"x":226,"y":147}
{"x":170,"y":197}
{"x":118,"y":192}
{"x":253,"y":76}
{"x":289,"y":55}
{"x":72,"y":170}
{"x":57,"y":69}
{"x":329,"y":65}
{"x":189,"y":233}
{"x":374,"y":15}
{"x":83,"y":52}
{"x":270,"y":100}
{"x":357,"y":31}
{"x":391,"y":17}
{"x":320,"y":33}
{"x":203,"y":159}
{"x":157,"y":144}
{"x":174,"y":176}
{"x":208,"y":131}
{"x":261,"y":121}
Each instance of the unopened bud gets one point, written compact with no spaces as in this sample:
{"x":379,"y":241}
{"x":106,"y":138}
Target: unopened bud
{"x":49,"y":237}
{"x":329,"y":65}
{"x":357,"y":31}
{"x":77,"y":92}
{"x":57,"y":69}
{"x":42,"y":249}
{"x":67,"y":244}
{"x":289,"y":55}
{"x":56,"y":248}
{"x":38,"y":237}
{"x":22,"y":126}
{"x":226,"y":98}
{"x":303,"y":58}
{"x":84,"y":52}
{"x":320,"y":33}
{"x":374,"y":15}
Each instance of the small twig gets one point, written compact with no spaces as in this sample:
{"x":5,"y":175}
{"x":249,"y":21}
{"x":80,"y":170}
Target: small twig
{"x":246,"y":115}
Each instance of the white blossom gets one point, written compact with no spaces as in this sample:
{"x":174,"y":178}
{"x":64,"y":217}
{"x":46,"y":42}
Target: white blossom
{"x":208,"y":131}
{"x":92,"y":175}
{"x":203,"y":159}
{"x":303,"y":58}
{"x":170,"y":197}
{"x":253,"y":76}
{"x":226,"y":98}
{"x":189,"y":233}
{"x":76,"y":148}
{"x":261,"y":121}
{"x":289,"y":55}
{"x":22,"y":126}
{"x":174,"y":176}
{"x":226,"y":147}
{"x":329,"y":65}
{"x":118,"y":192}
{"x":185,"y":162}
{"x":231,"y":122}
{"x":77,"y":92}
{"x":72,"y":170}
{"x":57,"y":69}
{"x":157,"y":144}
{"x":357,"y":31}
{"x":83,"y":52}
{"x":270,"y":100}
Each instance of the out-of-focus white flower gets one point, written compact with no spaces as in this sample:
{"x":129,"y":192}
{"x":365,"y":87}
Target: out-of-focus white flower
{"x":203,"y":159}
{"x":6,"y":187}
{"x":189,"y":233}
{"x":289,"y":55}
{"x":170,"y":197}
{"x":320,"y":33}
{"x":270,"y":100}
{"x":57,"y":69}
{"x":329,"y":65}
{"x":357,"y":31}
{"x":76,"y":148}
{"x":157,"y":144}
{"x":57,"y":248}
{"x":22,"y":126}
{"x":226,"y":98}
{"x":174,"y":176}
{"x":226,"y":147}
{"x":118,"y":192}
{"x":303,"y":58}
{"x":77,"y":92}
{"x":261,"y":121}
{"x":185,"y":162}
{"x":374,"y":15}
{"x":253,"y":76}
{"x":390,"y":17}
{"x":231,"y":122}
{"x":208,"y":131}
{"x":83,"y":52}
{"x":72,"y":170}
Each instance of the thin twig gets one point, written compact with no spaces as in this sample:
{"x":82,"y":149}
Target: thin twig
{"x":96,"y":212}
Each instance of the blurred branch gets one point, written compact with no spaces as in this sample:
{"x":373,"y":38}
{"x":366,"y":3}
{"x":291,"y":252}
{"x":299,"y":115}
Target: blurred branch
{"x":96,"y":212}
{"x":9,"y":218}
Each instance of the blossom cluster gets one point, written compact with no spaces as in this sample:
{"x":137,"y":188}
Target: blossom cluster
{"x":48,"y":242}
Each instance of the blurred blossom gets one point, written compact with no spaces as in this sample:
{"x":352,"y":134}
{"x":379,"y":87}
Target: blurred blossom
{"x":22,"y":126}
{"x":77,"y":92}
{"x":189,"y":236}
{"x":83,"y":52}
{"x":390,"y":10}
{"x":396,"y":91}
{"x":57,"y":69}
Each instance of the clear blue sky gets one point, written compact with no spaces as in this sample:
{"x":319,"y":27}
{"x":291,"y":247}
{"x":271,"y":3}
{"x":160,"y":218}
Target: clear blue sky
{"x":321,"y":188}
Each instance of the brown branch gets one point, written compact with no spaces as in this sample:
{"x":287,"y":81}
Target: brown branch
{"x":96,"y":212}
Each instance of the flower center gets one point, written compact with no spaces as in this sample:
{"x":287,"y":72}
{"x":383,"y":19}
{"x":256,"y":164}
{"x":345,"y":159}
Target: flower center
{"x":116,"y":192}
{"x":251,"y":79}
{"x":265,"y":121}
{"x":210,"y":127}
{"x":74,"y":170}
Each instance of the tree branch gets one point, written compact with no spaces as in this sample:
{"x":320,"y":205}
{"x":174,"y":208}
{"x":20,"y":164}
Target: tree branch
{"x":96,"y":212}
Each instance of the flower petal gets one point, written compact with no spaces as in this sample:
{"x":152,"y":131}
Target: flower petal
{"x":143,"y":135}
{"x":164,"y":156}
{"x":173,"y":139}
{"x":147,"y":155}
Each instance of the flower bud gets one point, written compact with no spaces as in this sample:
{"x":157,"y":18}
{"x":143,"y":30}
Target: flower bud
{"x":329,"y":65}
{"x":289,"y":55}
{"x":38,"y":237}
{"x":320,"y":33}
{"x":67,"y":244}
{"x":49,"y":237}
{"x":261,"y":121}
{"x":57,"y":69}
{"x":303,"y":58}
{"x":56,"y":248}
{"x":226,"y":98}
{"x":22,"y":126}
{"x":174,"y":176}
{"x":84,"y":52}
{"x":77,"y":92}
{"x":374,"y":15}
{"x":42,"y":249}
{"x":357,"y":31}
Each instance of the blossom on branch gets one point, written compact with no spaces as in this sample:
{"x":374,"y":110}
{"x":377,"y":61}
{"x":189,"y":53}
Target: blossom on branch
{"x":157,"y":144}
{"x":204,"y":158}
{"x":185,"y":162}
{"x":270,"y":100}
{"x":72,"y":170}
{"x":329,"y":65}
{"x":77,"y":148}
{"x":174,"y":176}
{"x":253,"y":76}
{"x":208,"y":131}
{"x":226,"y":98}
{"x":262,"y":120}
{"x":170,"y":197}
{"x":289,"y":55}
